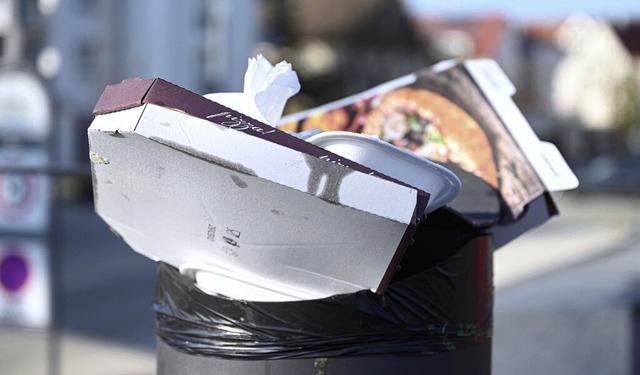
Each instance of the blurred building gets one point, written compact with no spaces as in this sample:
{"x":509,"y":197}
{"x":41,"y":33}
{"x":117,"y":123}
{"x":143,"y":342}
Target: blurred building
{"x":338,"y":47}
{"x":576,"y":77}
{"x":629,"y":34}
{"x":19,"y":27}
{"x":341,"y":47}
{"x":583,"y":87}
{"x":80,"y":46}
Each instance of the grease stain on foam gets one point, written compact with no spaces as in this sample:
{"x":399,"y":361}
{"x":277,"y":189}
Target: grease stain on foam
{"x":239,"y":182}
{"x":238,"y":167}
{"x":327,"y":172}
{"x":160,"y":171}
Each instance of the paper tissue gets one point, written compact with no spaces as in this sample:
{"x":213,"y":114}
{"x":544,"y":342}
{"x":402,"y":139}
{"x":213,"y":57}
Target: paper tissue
{"x":266,"y":91}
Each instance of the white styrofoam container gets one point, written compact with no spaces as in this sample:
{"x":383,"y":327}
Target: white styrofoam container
{"x":403,"y":165}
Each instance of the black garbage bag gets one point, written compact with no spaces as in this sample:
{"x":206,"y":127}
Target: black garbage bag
{"x":440,"y":300}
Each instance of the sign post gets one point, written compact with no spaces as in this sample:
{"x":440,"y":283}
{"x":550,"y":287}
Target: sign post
{"x":25,"y":201}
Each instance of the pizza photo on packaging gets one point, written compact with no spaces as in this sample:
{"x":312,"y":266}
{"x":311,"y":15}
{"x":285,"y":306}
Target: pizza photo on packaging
{"x":441,"y":115}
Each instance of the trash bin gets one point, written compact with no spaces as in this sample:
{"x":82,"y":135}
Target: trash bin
{"x":435,"y":317}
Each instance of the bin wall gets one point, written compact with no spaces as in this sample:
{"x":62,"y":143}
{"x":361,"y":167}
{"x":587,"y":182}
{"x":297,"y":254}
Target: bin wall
{"x":471,"y":360}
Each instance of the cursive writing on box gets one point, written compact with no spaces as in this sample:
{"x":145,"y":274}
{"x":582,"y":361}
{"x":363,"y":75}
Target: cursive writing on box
{"x":237,"y":122}
{"x":330,"y":160}
{"x":231,"y":121}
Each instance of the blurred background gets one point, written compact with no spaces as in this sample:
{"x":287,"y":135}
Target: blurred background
{"x":76,"y":300}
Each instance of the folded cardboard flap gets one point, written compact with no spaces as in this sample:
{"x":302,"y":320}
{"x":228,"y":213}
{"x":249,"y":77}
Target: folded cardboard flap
{"x":544,"y":156}
{"x":127,"y":94}
{"x":136,"y":92}
{"x":162,"y":94}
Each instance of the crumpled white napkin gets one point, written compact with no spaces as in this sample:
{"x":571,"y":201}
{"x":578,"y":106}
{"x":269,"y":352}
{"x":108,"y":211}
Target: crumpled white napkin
{"x":266,"y":90}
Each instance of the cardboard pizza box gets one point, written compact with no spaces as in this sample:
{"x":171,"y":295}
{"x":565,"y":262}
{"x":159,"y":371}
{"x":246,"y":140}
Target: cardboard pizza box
{"x":243,"y":206}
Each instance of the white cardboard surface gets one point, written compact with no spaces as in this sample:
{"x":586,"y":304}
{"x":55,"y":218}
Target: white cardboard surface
{"x":198,"y":195}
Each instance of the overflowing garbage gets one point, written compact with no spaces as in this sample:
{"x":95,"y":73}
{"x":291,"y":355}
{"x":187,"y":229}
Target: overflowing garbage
{"x":363,"y":226}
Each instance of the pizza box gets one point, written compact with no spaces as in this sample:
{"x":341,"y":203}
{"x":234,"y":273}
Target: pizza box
{"x":240,"y":205}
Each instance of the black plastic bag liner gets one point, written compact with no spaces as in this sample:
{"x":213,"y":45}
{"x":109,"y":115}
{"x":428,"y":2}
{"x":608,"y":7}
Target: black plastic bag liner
{"x":440,"y":299}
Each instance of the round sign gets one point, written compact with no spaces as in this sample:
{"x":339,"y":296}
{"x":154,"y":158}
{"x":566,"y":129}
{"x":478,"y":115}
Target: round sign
{"x":25,"y":106}
{"x":17,"y":194}
{"x":14,"y":272}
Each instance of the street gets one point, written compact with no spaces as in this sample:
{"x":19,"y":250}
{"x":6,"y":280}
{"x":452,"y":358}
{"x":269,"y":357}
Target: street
{"x":103,"y":317}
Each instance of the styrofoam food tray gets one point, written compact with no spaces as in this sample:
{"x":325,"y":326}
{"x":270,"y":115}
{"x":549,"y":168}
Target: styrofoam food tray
{"x":395,"y":162}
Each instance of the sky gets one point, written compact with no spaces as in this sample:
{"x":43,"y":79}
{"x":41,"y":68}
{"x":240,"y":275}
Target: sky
{"x":528,"y":10}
